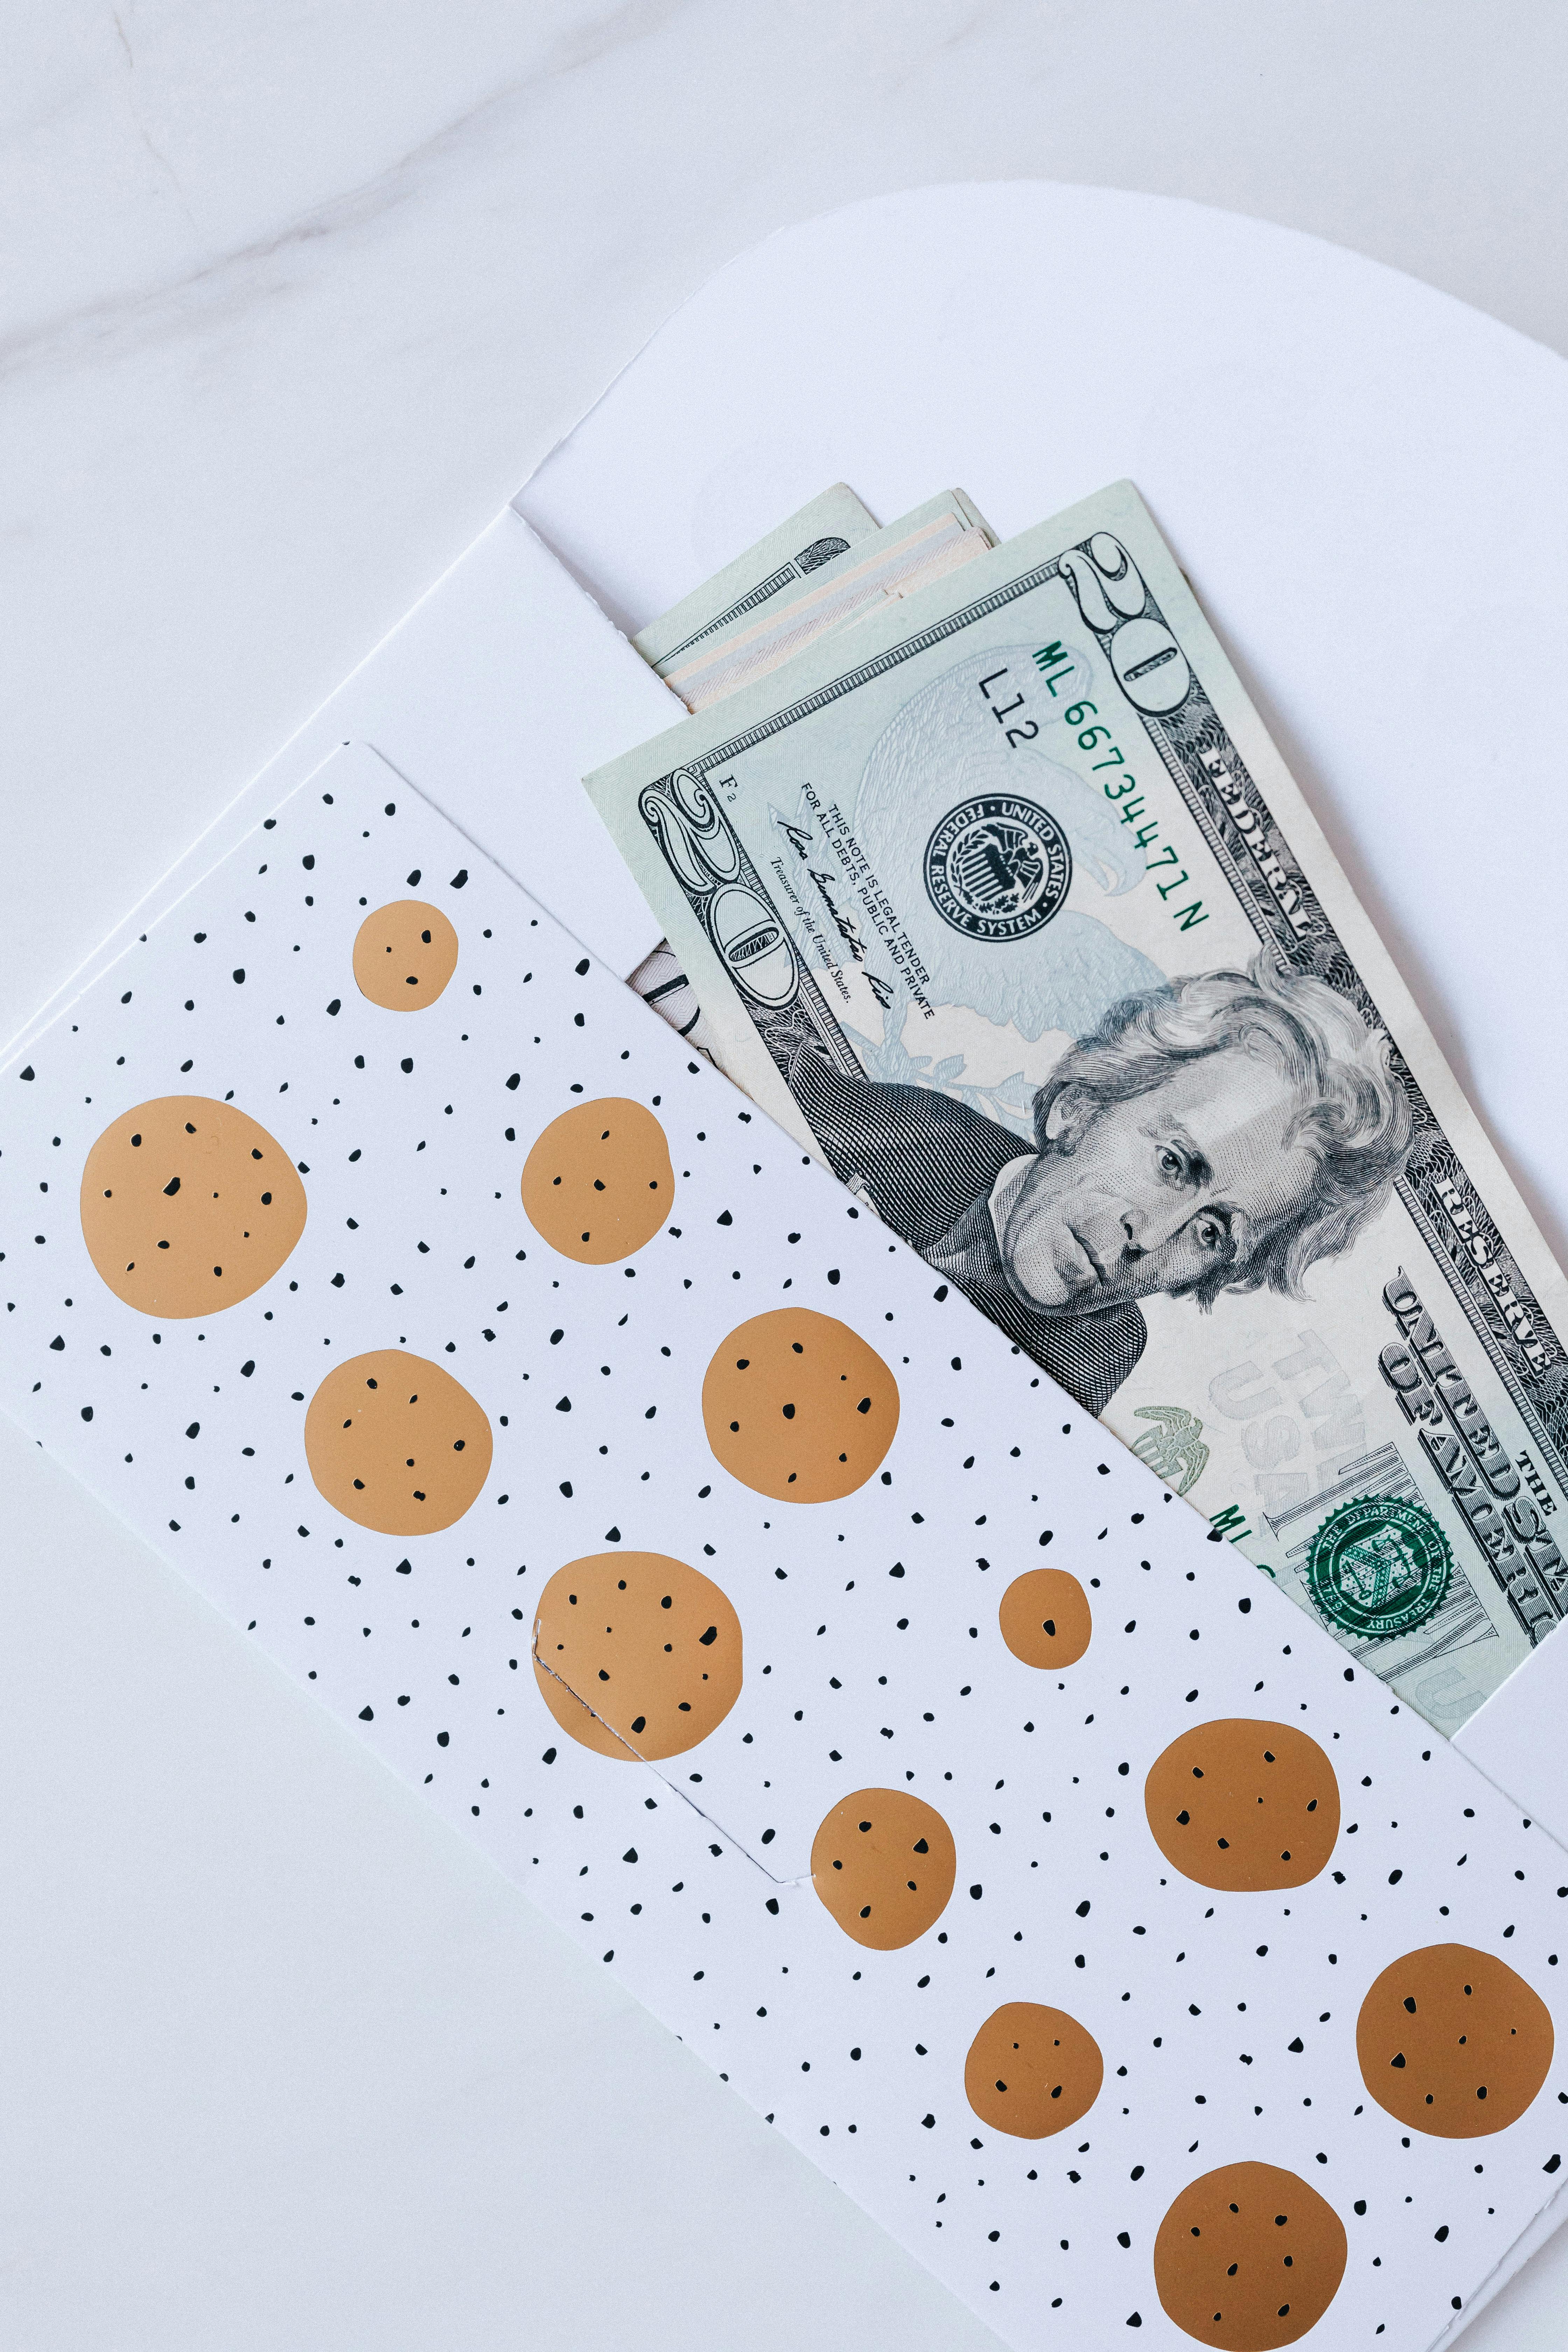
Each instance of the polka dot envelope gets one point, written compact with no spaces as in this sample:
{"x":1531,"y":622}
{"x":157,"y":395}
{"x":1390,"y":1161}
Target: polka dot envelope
{"x":1008,"y":1840}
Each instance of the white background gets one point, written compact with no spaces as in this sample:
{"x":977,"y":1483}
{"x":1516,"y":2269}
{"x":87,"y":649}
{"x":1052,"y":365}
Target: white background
{"x":295,"y":298}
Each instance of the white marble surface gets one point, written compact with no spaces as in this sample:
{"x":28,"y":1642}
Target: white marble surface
{"x":294,"y":299}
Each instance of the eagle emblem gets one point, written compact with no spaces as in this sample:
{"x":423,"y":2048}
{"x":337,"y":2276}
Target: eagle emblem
{"x":1175,"y":1451}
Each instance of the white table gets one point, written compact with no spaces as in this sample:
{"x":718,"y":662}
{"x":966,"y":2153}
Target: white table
{"x":299,"y":297}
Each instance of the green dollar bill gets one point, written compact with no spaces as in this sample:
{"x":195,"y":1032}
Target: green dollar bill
{"x":751,"y":636}
{"x":827,"y":528}
{"x":1004,"y":902}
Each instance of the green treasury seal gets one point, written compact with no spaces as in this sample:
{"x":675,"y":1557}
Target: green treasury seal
{"x":1378,"y":1566}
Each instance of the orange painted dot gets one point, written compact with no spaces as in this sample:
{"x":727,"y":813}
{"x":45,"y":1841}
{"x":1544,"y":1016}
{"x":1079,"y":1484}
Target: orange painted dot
{"x":395,"y":1443}
{"x":636,"y":1654}
{"x":597,"y":1184}
{"x":1453,"y":2042}
{"x":796,"y":1405}
{"x":1044,"y":1618}
{"x":1244,"y":1806}
{"x":1032,"y":2070}
{"x":188,"y":1206}
{"x":883,"y":1863}
{"x":1249,"y":2258}
{"x":404,"y":955}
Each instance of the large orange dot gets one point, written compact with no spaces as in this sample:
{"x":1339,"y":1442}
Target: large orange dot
{"x":188,"y":1206}
{"x":1032,"y":2070}
{"x":797,"y":1406}
{"x":404,"y":955}
{"x":1044,"y":1618}
{"x":597,"y":1184}
{"x":1452,"y":2041}
{"x":1248,"y":2257}
{"x":395,"y":1443}
{"x":884,"y":1864}
{"x":1244,"y":1806}
{"x":635,"y":1654}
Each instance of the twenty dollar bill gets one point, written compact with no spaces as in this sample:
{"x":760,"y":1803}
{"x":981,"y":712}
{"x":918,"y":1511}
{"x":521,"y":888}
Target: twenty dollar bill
{"x":1004,"y":902}
{"x":740,"y":643}
{"x":759,"y":580}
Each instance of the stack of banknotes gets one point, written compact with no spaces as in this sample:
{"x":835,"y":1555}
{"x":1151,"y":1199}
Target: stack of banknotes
{"x":979,"y":872}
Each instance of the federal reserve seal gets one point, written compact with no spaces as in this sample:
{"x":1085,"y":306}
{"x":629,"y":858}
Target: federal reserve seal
{"x":1378,"y":1566}
{"x":997,"y":868}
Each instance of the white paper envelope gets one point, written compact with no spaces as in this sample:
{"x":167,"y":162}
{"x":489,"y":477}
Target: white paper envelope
{"x":1225,"y":2020}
